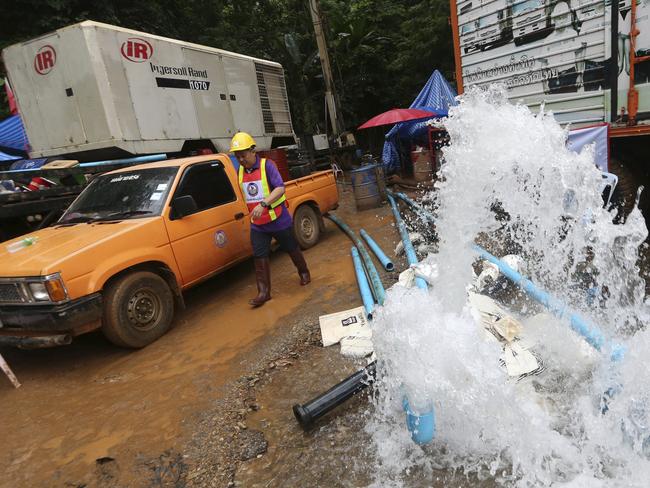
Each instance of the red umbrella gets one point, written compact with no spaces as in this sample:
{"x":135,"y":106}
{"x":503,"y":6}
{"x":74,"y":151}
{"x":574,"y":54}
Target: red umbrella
{"x":397,"y":115}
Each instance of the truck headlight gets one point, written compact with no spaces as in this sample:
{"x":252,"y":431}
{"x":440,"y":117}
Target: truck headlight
{"x":39,"y":292}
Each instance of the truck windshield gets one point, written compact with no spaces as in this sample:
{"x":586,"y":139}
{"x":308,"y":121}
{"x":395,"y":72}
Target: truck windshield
{"x":118,"y":196}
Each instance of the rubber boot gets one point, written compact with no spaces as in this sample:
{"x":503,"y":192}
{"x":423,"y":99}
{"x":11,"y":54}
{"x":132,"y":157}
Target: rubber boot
{"x":263,"y":278}
{"x":299,"y":261}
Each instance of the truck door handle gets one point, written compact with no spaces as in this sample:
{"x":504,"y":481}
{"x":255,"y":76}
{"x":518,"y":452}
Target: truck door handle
{"x":239,"y":216}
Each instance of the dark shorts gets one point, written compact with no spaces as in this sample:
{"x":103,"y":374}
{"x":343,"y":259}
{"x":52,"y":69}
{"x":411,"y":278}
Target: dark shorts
{"x":262,"y":241}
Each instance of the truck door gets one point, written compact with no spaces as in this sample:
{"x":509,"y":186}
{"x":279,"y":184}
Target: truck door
{"x":216,"y":234}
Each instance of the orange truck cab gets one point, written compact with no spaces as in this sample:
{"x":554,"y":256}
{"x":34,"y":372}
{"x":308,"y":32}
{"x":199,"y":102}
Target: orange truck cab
{"x":124,"y":251}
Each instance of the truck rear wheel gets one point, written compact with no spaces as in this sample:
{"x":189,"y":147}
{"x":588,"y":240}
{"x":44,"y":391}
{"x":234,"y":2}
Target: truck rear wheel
{"x":306,"y":226}
{"x":138,"y":309}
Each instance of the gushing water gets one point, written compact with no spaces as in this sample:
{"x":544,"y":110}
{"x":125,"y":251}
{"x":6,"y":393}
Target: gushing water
{"x":510,"y":184}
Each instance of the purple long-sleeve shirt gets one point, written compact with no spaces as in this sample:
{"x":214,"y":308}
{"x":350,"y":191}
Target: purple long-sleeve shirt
{"x":275,"y":180}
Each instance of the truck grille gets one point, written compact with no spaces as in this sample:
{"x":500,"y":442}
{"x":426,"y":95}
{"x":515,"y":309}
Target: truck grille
{"x":9,"y":293}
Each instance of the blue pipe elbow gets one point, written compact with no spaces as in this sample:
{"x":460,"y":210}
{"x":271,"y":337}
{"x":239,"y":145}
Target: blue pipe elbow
{"x":422,"y":426}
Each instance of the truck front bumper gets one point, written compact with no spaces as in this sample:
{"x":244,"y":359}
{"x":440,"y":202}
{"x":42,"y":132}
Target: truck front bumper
{"x":65,"y":317}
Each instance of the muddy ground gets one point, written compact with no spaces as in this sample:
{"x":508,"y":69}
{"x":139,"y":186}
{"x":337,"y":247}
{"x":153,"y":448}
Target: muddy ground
{"x":209,"y":404}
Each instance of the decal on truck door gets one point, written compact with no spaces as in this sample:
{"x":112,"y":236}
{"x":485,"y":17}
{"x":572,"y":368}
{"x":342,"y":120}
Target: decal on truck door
{"x":220,"y":238}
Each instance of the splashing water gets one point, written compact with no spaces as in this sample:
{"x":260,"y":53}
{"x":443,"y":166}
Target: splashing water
{"x":510,"y":183}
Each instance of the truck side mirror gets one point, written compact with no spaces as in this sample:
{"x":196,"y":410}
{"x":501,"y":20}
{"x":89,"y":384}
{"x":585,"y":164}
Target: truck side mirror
{"x":183,"y":206}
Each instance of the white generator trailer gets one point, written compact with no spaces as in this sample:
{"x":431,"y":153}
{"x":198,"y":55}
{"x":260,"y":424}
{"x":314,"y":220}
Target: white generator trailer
{"x":92,"y":90}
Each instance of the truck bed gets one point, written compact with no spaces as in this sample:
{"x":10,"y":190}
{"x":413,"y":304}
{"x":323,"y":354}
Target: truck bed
{"x":315,"y":187}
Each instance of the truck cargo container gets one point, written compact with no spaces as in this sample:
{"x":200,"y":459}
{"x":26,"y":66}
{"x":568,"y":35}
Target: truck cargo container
{"x":587,"y":61}
{"x":96,"y":91}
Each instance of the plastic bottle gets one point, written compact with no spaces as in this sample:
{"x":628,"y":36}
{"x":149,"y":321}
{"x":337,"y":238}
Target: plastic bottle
{"x":21,"y":244}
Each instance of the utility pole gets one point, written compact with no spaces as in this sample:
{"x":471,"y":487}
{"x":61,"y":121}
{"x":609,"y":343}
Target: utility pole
{"x":330,"y":90}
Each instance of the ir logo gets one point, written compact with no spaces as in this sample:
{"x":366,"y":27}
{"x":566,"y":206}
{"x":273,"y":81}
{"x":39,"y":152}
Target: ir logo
{"x":136,"y":49}
{"x":44,"y":60}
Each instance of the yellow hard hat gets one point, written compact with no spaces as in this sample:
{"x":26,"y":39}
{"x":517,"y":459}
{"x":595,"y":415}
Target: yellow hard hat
{"x":241,"y":141}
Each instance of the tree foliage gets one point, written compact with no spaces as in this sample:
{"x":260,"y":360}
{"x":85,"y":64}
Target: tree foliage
{"x":382,"y":51}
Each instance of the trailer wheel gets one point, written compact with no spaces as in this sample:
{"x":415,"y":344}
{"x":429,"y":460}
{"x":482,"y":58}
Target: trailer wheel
{"x":138,"y":309}
{"x":306,"y":226}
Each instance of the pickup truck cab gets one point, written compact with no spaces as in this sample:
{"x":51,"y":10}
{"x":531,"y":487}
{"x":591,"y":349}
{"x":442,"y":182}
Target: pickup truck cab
{"x":131,"y":243}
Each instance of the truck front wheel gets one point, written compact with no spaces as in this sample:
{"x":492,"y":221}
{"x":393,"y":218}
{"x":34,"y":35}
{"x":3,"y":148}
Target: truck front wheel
{"x":138,"y":309}
{"x":306,"y":226}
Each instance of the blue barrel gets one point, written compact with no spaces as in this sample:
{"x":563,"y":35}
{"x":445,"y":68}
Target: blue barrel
{"x":365,"y":188}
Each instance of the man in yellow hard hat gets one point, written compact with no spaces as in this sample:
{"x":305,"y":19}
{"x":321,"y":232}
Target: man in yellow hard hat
{"x":263,"y":189}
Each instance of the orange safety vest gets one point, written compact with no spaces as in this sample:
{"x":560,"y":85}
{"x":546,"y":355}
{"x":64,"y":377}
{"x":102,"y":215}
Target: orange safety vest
{"x":255,"y":188}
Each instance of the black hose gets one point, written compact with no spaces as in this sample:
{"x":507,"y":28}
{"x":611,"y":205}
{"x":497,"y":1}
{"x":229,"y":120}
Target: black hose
{"x":311,"y":411}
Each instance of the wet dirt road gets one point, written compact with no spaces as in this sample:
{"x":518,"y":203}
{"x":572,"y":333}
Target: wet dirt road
{"x":91,"y":414}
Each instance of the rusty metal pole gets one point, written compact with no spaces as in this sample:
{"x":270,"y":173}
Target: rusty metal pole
{"x":10,"y":374}
{"x":455,"y":34}
{"x":632,"y":93}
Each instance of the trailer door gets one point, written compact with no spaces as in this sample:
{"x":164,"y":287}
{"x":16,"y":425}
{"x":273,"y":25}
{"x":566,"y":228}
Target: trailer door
{"x":43,"y":66}
{"x":244,"y":95}
{"x":209,"y":93}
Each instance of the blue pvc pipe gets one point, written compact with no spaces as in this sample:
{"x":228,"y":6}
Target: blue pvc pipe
{"x":406,"y":240}
{"x":362,"y":281}
{"x":422,"y":425}
{"x":92,"y":164}
{"x":590,"y":332}
{"x":383,"y":259}
{"x":421,"y":212}
{"x":373,"y":275}
{"x":138,"y":159}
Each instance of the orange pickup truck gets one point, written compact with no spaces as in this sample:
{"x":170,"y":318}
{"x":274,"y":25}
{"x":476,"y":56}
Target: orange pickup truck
{"x":134,"y":239}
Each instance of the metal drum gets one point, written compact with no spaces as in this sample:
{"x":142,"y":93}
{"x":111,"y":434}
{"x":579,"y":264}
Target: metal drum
{"x":422,"y":165}
{"x":365,"y":188}
{"x":279,"y":157}
{"x":381,"y":181}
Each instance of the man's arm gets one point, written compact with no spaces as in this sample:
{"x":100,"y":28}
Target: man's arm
{"x":275,"y":182}
{"x":274,"y":195}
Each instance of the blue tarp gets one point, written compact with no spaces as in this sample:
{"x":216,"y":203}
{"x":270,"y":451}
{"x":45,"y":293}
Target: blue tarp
{"x":13,"y":136}
{"x":27,"y":164}
{"x":437,"y":96}
{"x":7,"y":157}
{"x":597,"y":135}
